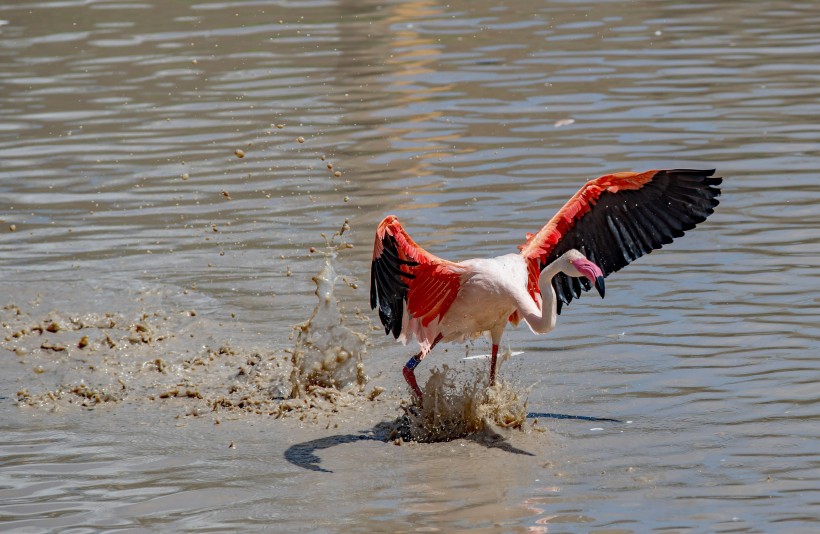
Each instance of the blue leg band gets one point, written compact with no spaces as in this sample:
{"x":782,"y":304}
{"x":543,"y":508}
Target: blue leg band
{"x":412,"y":363}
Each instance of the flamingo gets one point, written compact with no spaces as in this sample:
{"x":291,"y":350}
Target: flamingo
{"x":609,"y":222}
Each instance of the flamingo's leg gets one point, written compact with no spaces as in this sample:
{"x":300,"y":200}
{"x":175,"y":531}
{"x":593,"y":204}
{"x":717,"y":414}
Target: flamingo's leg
{"x":409,"y":369}
{"x":492,"y":364}
{"x":410,"y":376}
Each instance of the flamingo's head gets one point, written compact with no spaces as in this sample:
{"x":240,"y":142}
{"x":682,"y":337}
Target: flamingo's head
{"x":587,"y":269}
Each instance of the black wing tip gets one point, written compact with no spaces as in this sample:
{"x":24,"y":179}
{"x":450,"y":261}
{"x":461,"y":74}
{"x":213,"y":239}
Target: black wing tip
{"x":387,"y":289}
{"x":391,"y":326}
{"x":706,"y":174}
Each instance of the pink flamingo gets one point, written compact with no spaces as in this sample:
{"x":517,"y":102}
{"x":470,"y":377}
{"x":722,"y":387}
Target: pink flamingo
{"x":610,"y":222}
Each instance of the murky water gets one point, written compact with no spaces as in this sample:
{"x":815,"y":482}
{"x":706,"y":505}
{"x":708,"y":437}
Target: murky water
{"x":127,"y":216}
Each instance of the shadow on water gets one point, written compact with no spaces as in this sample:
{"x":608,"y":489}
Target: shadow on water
{"x":304,"y":454}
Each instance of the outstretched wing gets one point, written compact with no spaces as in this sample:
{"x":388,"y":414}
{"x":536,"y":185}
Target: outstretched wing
{"x":410,"y":286}
{"x":618,"y":218}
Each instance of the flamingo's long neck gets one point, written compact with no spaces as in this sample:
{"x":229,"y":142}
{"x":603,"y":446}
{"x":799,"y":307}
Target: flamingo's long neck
{"x":543,"y":320}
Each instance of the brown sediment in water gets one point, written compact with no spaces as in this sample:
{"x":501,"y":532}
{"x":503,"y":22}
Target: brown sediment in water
{"x":87,"y":360}
{"x":64,"y":362}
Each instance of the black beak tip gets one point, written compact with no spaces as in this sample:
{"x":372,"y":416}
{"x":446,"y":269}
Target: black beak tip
{"x":599,"y":284}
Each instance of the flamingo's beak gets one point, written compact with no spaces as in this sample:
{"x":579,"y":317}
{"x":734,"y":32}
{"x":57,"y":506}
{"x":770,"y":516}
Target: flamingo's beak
{"x":591,"y":272}
{"x":599,"y":285}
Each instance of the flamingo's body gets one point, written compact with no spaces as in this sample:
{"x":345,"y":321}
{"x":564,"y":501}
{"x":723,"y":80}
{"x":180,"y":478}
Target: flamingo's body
{"x":611,"y":221}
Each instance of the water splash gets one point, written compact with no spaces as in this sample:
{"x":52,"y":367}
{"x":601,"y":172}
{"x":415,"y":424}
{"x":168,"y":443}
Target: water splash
{"x":327,"y":353}
{"x":455,"y":408}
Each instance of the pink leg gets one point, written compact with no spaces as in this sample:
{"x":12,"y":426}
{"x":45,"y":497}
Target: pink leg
{"x":410,"y":376}
{"x":409,"y":370}
{"x":492,"y":364}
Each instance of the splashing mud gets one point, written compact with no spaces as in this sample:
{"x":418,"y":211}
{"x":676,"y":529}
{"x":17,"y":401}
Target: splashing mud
{"x":327,"y":353}
{"x":454,"y":407}
{"x":168,"y":358}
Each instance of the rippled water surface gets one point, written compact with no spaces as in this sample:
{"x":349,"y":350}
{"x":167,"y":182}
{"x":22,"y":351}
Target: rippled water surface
{"x":122,"y":192}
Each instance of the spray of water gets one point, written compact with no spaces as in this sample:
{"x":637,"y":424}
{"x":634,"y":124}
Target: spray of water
{"x":327,"y":353}
{"x":457,"y":406}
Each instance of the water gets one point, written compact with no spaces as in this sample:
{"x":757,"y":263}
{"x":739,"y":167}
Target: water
{"x":122,"y":201}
